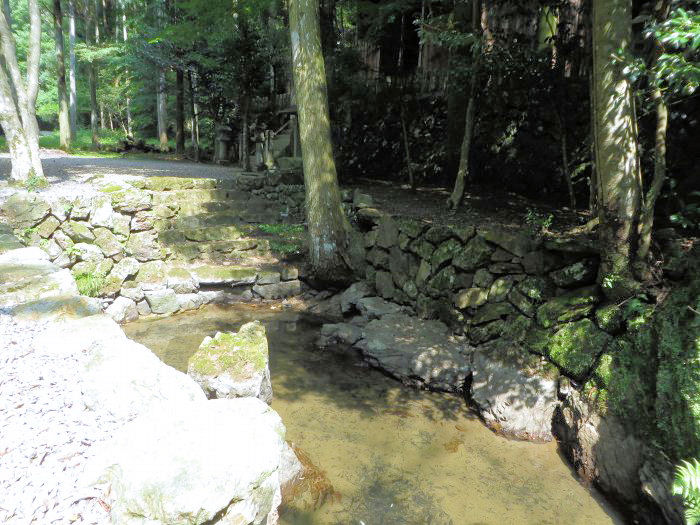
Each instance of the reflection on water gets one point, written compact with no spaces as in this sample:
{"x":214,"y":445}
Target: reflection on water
{"x":395,"y":456}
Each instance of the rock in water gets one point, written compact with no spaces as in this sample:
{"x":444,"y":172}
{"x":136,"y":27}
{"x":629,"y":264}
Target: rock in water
{"x":416,"y":350}
{"x":233,"y":364}
{"x":193,"y":463}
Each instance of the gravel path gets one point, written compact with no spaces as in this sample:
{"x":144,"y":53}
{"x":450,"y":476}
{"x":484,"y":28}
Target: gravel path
{"x":46,"y":433}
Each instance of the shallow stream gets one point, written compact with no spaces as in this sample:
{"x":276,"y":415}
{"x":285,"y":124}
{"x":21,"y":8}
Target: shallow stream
{"x":393,"y":455}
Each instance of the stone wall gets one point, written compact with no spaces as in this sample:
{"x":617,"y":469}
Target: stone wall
{"x":489,"y":284}
{"x":159,"y":245}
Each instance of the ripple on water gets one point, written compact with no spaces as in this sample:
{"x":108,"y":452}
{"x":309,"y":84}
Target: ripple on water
{"x":385,"y":454}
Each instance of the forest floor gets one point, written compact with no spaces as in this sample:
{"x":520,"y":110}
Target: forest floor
{"x":481,"y":205}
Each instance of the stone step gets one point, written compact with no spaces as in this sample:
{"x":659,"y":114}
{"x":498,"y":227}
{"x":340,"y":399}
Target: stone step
{"x":234,"y":250}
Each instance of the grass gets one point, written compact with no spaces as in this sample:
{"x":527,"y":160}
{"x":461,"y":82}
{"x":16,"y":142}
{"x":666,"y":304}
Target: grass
{"x":82,"y":145}
{"x":89,"y":284}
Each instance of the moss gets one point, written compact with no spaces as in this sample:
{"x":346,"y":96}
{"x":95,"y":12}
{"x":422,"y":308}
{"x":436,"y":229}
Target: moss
{"x":568,"y":307}
{"x":238,"y":354}
{"x":576,"y":346}
{"x":111,"y":188}
{"x":609,"y":318}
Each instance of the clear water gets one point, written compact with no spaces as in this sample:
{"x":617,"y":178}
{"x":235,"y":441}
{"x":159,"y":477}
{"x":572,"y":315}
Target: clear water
{"x":386,"y":454}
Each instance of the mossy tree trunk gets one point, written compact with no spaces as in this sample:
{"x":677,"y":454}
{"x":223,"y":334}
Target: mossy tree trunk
{"x":64,"y":128}
{"x":616,"y":153}
{"x":328,"y":227}
{"x":18,"y":96}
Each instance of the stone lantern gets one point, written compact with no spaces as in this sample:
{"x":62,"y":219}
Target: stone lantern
{"x":222,"y":144}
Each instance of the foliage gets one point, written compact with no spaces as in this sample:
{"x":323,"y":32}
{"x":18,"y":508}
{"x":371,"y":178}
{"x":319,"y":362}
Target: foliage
{"x":538,"y":222}
{"x":89,"y":284}
{"x":35,"y":182}
{"x":679,"y":65}
{"x":655,"y":377}
{"x":687,"y":485}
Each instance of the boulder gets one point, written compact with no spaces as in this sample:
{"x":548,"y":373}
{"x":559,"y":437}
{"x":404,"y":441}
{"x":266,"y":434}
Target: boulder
{"x":568,"y":307}
{"x":482,"y":278}
{"x":47,"y":227}
{"x":350,"y":297}
{"x":268,"y":277}
{"x":102,"y":213}
{"x":130,"y":200}
{"x":195,"y":463}
{"x":373,"y":307}
{"x":78,"y":231}
{"x":515,"y":243}
{"x":278,"y":290}
{"x":471,"y":298}
{"x":162,"y":301}
{"x":384,"y":284}
{"x":475,"y":254}
{"x":416,"y":351}
{"x":182,"y":281}
{"x":132,"y":290}
{"x":578,"y":274}
{"x":24,"y":210}
{"x":28,"y":276}
{"x":444,"y":252}
{"x":189,"y":301}
{"x":234,"y":364}
{"x":575,"y":347}
{"x":151,"y":272}
{"x":122,"y":310}
{"x":144,"y":246}
{"x":510,"y":399}
{"x":107,"y":242}
{"x":339,"y":333}
{"x":387,"y":233}
{"x":127,"y":267}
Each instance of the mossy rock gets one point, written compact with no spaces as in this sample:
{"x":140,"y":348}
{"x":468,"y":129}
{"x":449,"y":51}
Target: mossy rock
{"x":575,"y":347}
{"x":475,"y":254}
{"x":568,"y":307}
{"x":151,"y":272}
{"x":213,"y":233}
{"x":234,"y":364}
{"x":410,"y":227}
{"x":610,"y":318}
{"x":24,"y":210}
{"x":491,"y":312}
{"x":445,"y":252}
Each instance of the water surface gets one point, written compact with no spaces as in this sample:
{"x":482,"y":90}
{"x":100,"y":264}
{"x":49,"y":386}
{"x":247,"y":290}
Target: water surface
{"x":393,"y":455}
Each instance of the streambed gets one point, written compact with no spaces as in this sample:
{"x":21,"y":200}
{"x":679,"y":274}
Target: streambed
{"x":393,"y":455}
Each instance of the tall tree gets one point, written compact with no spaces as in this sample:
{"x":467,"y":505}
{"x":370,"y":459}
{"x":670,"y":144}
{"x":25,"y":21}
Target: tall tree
{"x":92,"y":72}
{"x":616,"y":151}
{"x":180,"y":111}
{"x":328,"y":227}
{"x":463,"y":171}
{"x":162,"y":110}
{"x":73,"y":90}
{"x":18,"y":97}
{"x":63,"y":111}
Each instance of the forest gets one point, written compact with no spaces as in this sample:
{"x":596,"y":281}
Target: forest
{"x":574,"y":123}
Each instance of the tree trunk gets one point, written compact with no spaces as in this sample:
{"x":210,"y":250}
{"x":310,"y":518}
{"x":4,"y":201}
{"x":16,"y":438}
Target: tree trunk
{"x":463,"y":171}
{"x":129,"y":132}
{"x":195,"y":116}
{"x":93,"y":107}
{"x":245,"y":139}
{"x":180,"y":112}
{"x":63,"y":110}
{"x":162,"y":111}
{"x":94,"y":115}
{"x":18,"y":97}
{"x":616,"y":155}
{"x":646,"y":223}
{"x":73,"y":98}
{"x":329,"y":234}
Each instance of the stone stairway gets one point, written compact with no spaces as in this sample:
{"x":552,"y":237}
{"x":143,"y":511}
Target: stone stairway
{"x":165,"y":244}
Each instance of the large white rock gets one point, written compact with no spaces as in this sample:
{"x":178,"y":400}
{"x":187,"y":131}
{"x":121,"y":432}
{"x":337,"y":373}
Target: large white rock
{"x":187,"y":463}
{"x":234,"y":364}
